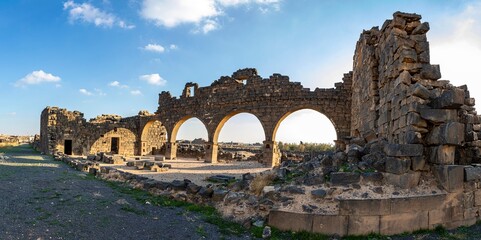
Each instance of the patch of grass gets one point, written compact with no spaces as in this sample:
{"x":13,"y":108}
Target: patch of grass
{"x":200,"y":230}
{"x":56,"y":223}
{"x":208,"y":213}
{"x":133,"y":210}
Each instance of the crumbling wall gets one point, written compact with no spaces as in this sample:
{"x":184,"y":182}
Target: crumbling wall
{"x":58,"y":125}
{"x":126,"y":145}
{"x":397,"y":96}
{"x":153,"y":138}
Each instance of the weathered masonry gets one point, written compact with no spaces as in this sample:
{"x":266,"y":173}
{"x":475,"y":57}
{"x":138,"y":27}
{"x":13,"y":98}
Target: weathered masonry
{"x":68,"y":132}
{"x":270,"y":100}
{"x":393,"y":92}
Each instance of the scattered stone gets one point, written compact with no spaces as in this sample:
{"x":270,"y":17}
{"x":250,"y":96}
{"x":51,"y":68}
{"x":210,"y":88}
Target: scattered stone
{"x":266,"y":233}
{"x":344,"y":178}
{"x":319,"y":193}
{"x":218,"y":195}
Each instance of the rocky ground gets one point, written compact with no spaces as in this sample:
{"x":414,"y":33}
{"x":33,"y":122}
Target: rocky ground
{"x":43,"y":199}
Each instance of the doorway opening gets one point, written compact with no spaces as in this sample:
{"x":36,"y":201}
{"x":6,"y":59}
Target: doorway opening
{"x":114,"y":145}
{"x":67,"y":147}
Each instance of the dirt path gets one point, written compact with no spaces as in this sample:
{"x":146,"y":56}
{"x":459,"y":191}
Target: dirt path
{"x":44,"y":199}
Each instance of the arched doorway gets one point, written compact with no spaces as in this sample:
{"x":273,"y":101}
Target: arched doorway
{"x":304,"y":131}
{"x":188,"y":133}
{"x":237,"y":130}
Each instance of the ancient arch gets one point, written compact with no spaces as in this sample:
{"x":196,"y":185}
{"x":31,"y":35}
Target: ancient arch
{"x":153,"y":138}
{"x":171,"y":146}
{"x":212,"y":146}
{"x":267,"y":99}
{"x":274,"y":133}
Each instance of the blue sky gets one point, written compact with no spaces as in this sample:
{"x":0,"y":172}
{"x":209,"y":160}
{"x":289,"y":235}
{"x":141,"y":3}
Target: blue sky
{"x":106,"y":56}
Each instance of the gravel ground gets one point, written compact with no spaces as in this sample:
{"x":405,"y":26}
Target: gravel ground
{"x":44,"y":199}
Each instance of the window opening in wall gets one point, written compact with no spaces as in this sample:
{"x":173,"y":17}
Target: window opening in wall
{"x":191,"y":91}
{"x":114,"y":145}
{"x":67,"y":147}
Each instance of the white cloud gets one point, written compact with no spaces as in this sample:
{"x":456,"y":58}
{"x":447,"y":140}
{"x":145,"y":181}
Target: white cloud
{"x":173,"y":47}
{"x":87,"y":13}
{"x":154,"y":48}
{"x":136,"y":92}
{"x":455,"y":46}
{"x":85,"y":92}
{"x":114,"y":84}
{"x":37,"y":77}
{"x":171,"y":13}
{"x":153,"y":79}
{"x":201,"y":13}
{"x":118,"y":84}
{"x":13,"y":114}
{"x":209,"y":25}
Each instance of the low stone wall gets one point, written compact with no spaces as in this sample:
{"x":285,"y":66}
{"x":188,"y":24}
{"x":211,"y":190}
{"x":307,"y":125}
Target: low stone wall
{"x":456,"y":207}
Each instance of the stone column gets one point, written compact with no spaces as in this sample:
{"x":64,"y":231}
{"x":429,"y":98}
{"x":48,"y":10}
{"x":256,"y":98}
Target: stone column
{"x":271,"y":153}
{"x":171,"y":150}
{"x":211,"y":150}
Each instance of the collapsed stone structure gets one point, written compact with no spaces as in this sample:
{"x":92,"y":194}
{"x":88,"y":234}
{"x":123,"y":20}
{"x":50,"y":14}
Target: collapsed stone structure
{"x":270,"y":100}
{"x":393,"y":92}
{"x":391,"y":112}
{"x":68,"y":132}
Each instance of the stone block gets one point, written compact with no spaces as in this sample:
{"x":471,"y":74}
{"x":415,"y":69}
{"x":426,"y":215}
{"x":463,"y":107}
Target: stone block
{"x":363,"y":225}
{"x":403,"y":150}
{"x":403,"y":222}
{"x":451,"y":133}
{"x":452,"y":98}
{"x":288,"y":221}
{"x":472,"y":173}
{"x":438,"y":217}
{"x":344,"y":178}
{"x":330,"y":224}
{"x":398,"y":165}
{"x":364,"y":207}
{"x":431,"y":72}
{"x":416,"y":120}
{"x":405,"y":76}
{"x":404,"y":181}
{"x":439,"y":115}
{"x":451,"y":177}
{"x":443,"y":154}
{"x":413,"y":137}
{"x":417,"y":203}
{"x":421,"y":29}
{"x":419,"y":90}
{"x":372,"y":177}
{"x":418,"y":163}
{"x":460,"y":223}
{"x":477,"y":198}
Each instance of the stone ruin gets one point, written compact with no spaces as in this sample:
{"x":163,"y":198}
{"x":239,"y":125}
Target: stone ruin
{"x":397,"y":124}
{"x":68,"y":132}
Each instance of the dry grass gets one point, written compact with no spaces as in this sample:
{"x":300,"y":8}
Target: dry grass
{"x":260,"y":181}
{"x":8,"y":144}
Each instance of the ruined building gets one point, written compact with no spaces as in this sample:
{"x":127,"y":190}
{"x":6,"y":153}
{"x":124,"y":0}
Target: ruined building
{"x":393,"y":92}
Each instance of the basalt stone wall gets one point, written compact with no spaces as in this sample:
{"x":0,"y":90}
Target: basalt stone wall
{"x":59,"y":126}
{"x":397,"y":95}
{"x":269,"y":99}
